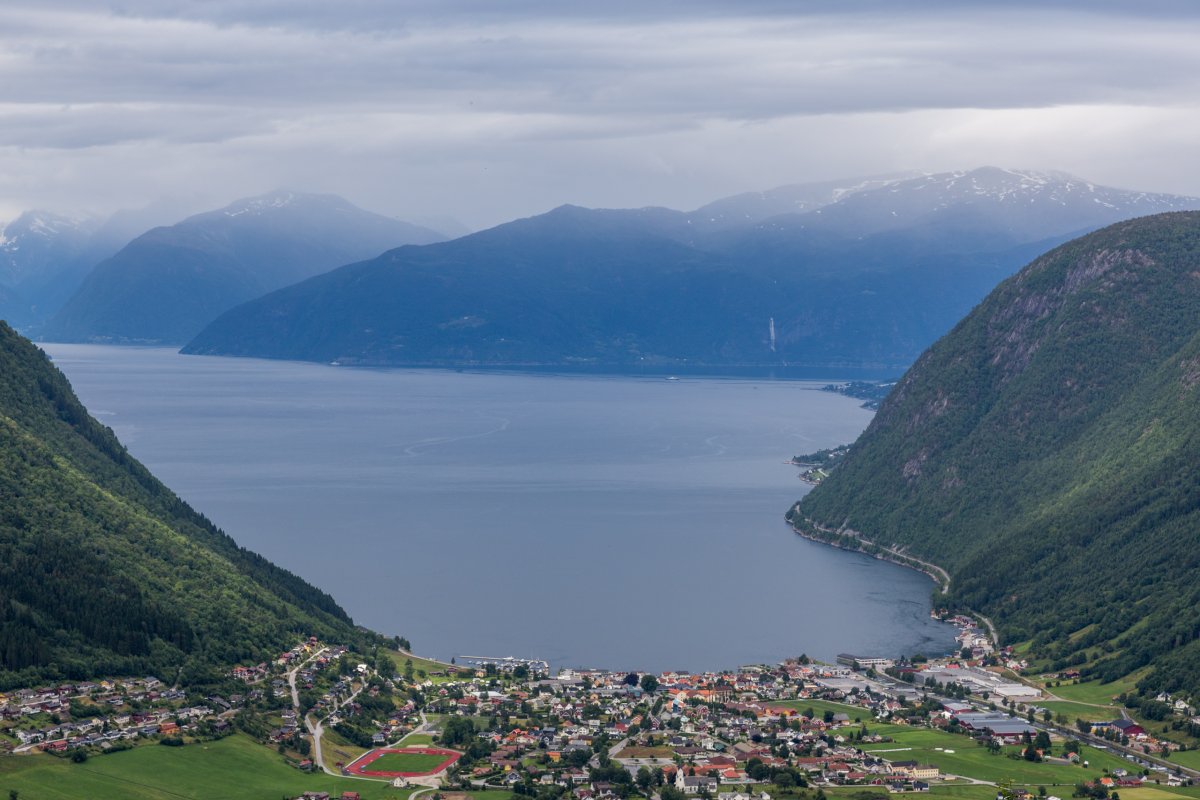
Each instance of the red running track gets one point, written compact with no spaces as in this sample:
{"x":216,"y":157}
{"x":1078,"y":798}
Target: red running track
{"x":361,"y":765}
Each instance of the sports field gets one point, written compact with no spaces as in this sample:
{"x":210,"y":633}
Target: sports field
{"x":407,"y":763}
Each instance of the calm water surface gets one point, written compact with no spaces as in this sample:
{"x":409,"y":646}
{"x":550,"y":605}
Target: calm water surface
{"x":632,"y":523}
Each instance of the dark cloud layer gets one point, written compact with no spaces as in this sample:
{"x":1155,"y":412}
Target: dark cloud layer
{"x":486,"y":110}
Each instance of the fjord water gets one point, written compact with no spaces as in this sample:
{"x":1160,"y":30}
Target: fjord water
{"x":630,"y":523}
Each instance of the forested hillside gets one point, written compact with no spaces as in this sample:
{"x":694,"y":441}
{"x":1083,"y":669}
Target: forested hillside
{"x":1045,"y":453}
{"x":103,"y":570}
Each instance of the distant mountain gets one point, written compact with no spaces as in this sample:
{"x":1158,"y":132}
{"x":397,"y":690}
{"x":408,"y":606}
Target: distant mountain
{"x":867,"y":275}
{"x":986,"y":207}
{"x":40,"y":253}
{"x":104,"y":571}
{"x":750,"y":208}
{"x":164,"y":286}
{"x":1044,"y":453}
{"x":570,"y":286}
{"x":37,"y":238}
{"x":44,"y":257}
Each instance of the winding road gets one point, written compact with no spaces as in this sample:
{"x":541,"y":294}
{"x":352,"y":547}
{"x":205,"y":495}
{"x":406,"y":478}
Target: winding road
{"x":316,"y":728}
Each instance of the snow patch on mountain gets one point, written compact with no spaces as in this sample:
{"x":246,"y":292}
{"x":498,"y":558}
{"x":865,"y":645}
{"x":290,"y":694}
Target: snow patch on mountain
{"x":259,"y":205}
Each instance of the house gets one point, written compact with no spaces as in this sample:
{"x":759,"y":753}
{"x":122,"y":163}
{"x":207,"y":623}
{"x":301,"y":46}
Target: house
{"x":1128,"y":727}
{"x":743,"y":796}
{"x":913,"y":770}
{"x":730,"y":775}
{"x":695,"y":784}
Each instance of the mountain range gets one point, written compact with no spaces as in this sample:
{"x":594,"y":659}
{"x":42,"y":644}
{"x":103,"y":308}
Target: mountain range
{"x":1044,"y":453}
{"x":166,"y":284}
{"x":866,"y":272}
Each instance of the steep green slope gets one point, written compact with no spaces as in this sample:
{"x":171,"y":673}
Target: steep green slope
{"x":1044,"y":452}
{"x":103,"y":570}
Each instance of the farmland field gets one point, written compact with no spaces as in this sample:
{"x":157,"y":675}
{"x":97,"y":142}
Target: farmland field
{"x":959,"y":755}
{"x":232,"y":768}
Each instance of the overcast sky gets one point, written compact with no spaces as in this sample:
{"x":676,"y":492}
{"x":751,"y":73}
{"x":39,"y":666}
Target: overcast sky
{"x":485,"y":111}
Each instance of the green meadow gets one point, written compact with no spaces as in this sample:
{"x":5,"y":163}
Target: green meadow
{"x":234,"y":768}
{"x":1095,"y":692}
{"x":821,"y":706}
{"x":959,"y":755}
{"x":405,"y":762}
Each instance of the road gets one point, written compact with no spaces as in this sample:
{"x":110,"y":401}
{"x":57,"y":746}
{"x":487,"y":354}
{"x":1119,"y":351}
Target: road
{"x":1073,"y":733}
{"x":316,"y":727}
{"x":939,"y":575}
{"x":1120,"y":749}
{"x":1099,"y":741}
{"x":291,"y":676}
{"x":1139,"y":757}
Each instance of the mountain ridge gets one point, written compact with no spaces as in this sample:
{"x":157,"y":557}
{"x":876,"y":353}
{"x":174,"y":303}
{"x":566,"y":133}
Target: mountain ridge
{"x":163,"y":286}
{"x":659,"y":287}
{"x":103,"y":570}
{"x":1052,"y":424}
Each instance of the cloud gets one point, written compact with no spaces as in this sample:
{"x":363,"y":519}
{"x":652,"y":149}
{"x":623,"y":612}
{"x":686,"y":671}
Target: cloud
{"x":491,"y":110}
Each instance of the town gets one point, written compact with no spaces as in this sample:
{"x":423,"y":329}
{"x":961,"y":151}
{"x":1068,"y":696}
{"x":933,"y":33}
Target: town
{"x":965,"y":725}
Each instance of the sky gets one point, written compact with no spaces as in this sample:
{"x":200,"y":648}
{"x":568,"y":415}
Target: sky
{"x":481,"y":112}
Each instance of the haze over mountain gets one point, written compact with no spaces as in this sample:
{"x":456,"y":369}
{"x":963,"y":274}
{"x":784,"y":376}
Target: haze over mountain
{"x":165,"y":285}
{"x":1044,"y":453}
{"x":103,"y":570}
{"x":43,"y":257}
{"x":866,"y":274}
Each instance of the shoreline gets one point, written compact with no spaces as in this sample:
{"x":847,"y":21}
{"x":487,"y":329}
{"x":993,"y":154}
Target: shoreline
{"x":842,"y":538}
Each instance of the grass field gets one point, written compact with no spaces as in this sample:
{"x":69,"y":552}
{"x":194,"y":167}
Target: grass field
{"x":1153,"y":792}
{"x":1094,"y":691}
{"x":1188,"y":758}
{"x":430,"y":667}
{"x":821,"y":706}
{"x":971,"y":760}
{"x":962,"y":791}
{"x":235,"y":768}
{"x":966,"y":791}
{"x":406,"y":762}
{"x":646,"y":752}
{"x":490,"y":794}
{"x":416,"y":740}
{"x":335,"y":748}
{"x":481,"y":723}
{"x":1081,"y":711}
